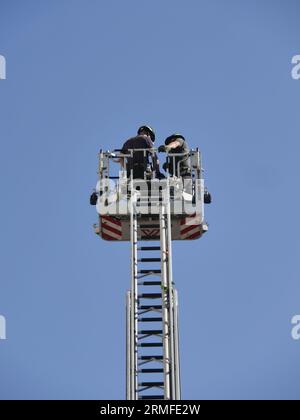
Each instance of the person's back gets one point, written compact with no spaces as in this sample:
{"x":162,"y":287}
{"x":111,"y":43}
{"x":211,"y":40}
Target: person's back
{"x":140,"y":159}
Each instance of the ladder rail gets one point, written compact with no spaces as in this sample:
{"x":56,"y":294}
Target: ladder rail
{"x":167,"y":332}
{"x":176,"y":337}
{"x":170,"y":290}
{"x":165,"y":304}
{"x":134,"y":299}
{"x":128,"y":346}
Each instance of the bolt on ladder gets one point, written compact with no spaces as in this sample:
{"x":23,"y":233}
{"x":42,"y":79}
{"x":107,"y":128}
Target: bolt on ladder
{"x":153,"y":351}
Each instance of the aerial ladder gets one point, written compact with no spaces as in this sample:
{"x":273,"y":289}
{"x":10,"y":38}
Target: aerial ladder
{"x":150,"y":218}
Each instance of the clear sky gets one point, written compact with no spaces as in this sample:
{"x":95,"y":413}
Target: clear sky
{"x":85,"y":74}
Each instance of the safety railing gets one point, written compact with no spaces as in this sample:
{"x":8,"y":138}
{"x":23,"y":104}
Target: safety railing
{"x":118,"y":180}
{"x":174,"y":164}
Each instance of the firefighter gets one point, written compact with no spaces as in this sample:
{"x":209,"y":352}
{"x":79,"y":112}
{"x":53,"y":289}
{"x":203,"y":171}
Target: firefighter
{"x":140,"y":161}
{"x":180,"y":165}
{"x":177,"y":165}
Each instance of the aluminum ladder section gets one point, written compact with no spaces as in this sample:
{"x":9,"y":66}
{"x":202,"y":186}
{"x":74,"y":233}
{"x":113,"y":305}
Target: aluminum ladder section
{"x":152,"y":338}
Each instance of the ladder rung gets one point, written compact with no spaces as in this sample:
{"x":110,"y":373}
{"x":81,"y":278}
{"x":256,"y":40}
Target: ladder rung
{"x":152,"y":319}
{"x":146,"y":307}
{"x":151,"y":384}
{"x":150,"y":332}
{"x":149,"y":248}
{"x":149,"y":260}
{"x":150,"y":344}
{"x":150,"y":283}
{"x":158,"y":370}
{"x":151,"y":397}
{"x":154,"y":358}
{"x":150,"y":296}
{"x":155,"y":271}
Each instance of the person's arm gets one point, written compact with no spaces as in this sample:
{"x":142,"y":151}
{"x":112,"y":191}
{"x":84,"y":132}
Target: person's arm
{"x":169,"y":147}
{"x":176,"y":143}
{"x":155,"y":162}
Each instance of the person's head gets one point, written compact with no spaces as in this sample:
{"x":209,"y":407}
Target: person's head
{"x":147,"y":130}
{"x":173,"y":137}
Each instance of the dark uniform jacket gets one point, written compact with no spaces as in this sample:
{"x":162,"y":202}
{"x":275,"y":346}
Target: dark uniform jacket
{"x":184,"y":160}
{"x":140,"y":160}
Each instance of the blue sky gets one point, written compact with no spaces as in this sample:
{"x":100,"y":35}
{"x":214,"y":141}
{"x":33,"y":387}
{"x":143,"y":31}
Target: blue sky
{"x":85,"y":74}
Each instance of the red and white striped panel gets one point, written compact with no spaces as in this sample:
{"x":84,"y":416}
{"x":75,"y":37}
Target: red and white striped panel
{"x":190,"y":227}
{"x":111,"y":228}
